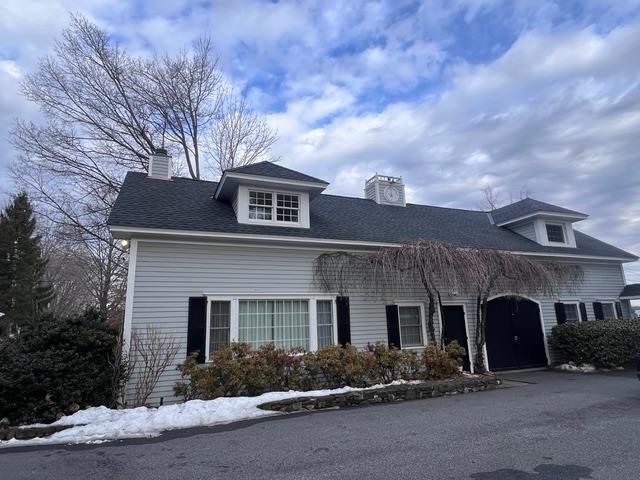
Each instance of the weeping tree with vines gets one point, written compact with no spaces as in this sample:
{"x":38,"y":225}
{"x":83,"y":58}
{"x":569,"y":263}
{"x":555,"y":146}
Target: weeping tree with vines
{"x":441,"y":268}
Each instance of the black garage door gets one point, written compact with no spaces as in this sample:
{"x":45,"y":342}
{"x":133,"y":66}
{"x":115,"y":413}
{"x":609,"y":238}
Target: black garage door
{"x":514,"y":334}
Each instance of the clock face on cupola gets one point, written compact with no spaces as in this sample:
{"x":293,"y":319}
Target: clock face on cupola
{"x":391,"y":194}
{"x":385,"y":190}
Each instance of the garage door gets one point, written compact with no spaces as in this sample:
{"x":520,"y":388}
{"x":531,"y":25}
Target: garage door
{"x":514,"y":334}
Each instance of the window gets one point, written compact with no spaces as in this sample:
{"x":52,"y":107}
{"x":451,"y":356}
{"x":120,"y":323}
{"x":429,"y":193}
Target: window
{"x":260,"y":205}
{"x":287,"y":207}
{"x":285,"y":323}
{"x":571,"y":312}
{"x":608,"y":310}
{"x":220,"y":323}
{"x":555,"y":233}
{"x":410,"y":320}
{"x":325,"y":322}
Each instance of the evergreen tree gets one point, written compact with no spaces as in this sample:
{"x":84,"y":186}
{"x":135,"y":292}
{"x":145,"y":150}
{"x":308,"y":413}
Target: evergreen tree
{"x":23,"y":294}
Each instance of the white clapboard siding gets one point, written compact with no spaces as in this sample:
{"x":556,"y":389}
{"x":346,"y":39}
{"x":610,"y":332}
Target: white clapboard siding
{"x":526,"y":230}
{"x":167,"y":274}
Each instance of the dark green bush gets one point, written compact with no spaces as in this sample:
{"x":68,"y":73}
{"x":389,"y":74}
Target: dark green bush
{"x":602,"y":343}
{"x":56,"y":366}
{"x":236,"y":370}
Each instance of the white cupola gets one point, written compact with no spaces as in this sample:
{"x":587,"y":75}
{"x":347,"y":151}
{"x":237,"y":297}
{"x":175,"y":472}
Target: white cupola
{"x":385,"y":190}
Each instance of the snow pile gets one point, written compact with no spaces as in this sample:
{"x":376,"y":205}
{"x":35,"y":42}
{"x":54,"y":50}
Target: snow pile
{"x":572,"y":367}
{"x":99,"y":424}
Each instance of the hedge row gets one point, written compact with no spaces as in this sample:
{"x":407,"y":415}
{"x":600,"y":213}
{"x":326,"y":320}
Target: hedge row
{"x":56,"y":366}
{"x":237,"y":370}
{"x":602,"y":343}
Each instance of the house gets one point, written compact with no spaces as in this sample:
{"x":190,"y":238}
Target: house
{"x":212,"y":262}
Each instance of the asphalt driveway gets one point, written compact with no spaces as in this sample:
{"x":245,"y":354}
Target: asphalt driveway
{"x":544,"y":426}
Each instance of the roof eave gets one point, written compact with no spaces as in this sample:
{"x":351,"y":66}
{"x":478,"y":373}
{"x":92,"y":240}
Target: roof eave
{"x":127,"y":232}
{"x":314,"y":188}
{"x":572,"y":217}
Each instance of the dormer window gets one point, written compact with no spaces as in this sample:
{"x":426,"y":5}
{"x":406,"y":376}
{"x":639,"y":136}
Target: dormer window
{"x":273,"y":207}
{"x":555,"y":233}
{"x":288,"y":207}
{"x":260,"y":205}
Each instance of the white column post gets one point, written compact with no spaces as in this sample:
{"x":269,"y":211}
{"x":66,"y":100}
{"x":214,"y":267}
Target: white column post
{"x":313,"y":324}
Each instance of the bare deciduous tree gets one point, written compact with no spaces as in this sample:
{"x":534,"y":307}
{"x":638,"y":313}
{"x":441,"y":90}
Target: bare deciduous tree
{"x":240,"y":137}
{"x":152,"y":351}
{"x":105,"y":112}
{"x":490,"y":198}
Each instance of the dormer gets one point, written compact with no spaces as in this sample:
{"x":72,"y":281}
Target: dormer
{"x":544,"y":223}
{"x":268,"y":194}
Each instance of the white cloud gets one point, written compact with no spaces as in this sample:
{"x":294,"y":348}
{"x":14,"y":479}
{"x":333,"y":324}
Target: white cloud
{"x":563,"y":127}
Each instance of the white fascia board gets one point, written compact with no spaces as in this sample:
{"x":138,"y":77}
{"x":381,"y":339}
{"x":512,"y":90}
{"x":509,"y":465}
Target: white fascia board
{"x":129,"y":232}
{"x":566,"y":216}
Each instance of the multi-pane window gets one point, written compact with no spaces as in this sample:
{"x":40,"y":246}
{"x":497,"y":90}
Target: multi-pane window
{"x":285,"y":323}
{"x":260,"y":205}
{"x":220,"y":323}
{"x":608,"y":310}
{"x":410,"y":326}
{"x":571,"y":312}
{"x":555,"y":233}
{"x":287,"y":207}
{"x":324,"y":311}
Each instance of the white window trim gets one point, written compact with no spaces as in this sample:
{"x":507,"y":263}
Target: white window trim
{"x":234,"y":321}
{"x":577,"y":304}
{"x":540,"y":226}
{"x":422,"y":324}
{"x":243,"y":207}
{"x":562,"y":229}
{"x":613,"y":306}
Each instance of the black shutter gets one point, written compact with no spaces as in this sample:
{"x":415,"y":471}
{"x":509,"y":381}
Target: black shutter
{"x":597,"y":311}
{"x":393,"y":326}
{"x":196,"y":327}
{"x":583,"y":312}
{"x":618,"y":310}
{"x":561,"y":316}
{"x":343,"y":320}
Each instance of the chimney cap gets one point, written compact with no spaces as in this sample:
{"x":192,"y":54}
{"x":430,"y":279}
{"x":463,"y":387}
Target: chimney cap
{"x":160,"y":151}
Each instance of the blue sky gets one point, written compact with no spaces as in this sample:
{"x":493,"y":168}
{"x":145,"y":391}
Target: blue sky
{"x":537,"y":96}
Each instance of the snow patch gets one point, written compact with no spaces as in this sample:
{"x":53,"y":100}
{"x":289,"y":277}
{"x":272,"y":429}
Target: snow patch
{"x":572,"y":367}
{"x":100,"y":424}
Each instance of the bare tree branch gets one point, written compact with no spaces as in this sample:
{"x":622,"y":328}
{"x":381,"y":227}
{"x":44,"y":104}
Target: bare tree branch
{"x":154,"y":351}
{"x":105,"y":113}
{"x":439,"y":267}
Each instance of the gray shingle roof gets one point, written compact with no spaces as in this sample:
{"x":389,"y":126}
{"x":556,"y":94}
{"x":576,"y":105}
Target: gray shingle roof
{"x":631,"y":290}
{"x":527,"y":206}
{"x":184,"y":204}
{"x":270,"y":169}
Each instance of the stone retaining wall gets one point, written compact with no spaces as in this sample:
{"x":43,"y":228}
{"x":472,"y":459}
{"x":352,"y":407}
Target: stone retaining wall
{"x":391,"y":393}
{"x":25,"y":433}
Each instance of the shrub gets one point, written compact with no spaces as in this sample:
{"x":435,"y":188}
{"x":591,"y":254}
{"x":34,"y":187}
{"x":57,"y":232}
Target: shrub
{"x":236,"y":370}
{"x":602,"y":343}
{"x":442,"y":363}
{"x":391,"y":364}
{"x":334,"y":366}
{"x":56,"y":366}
